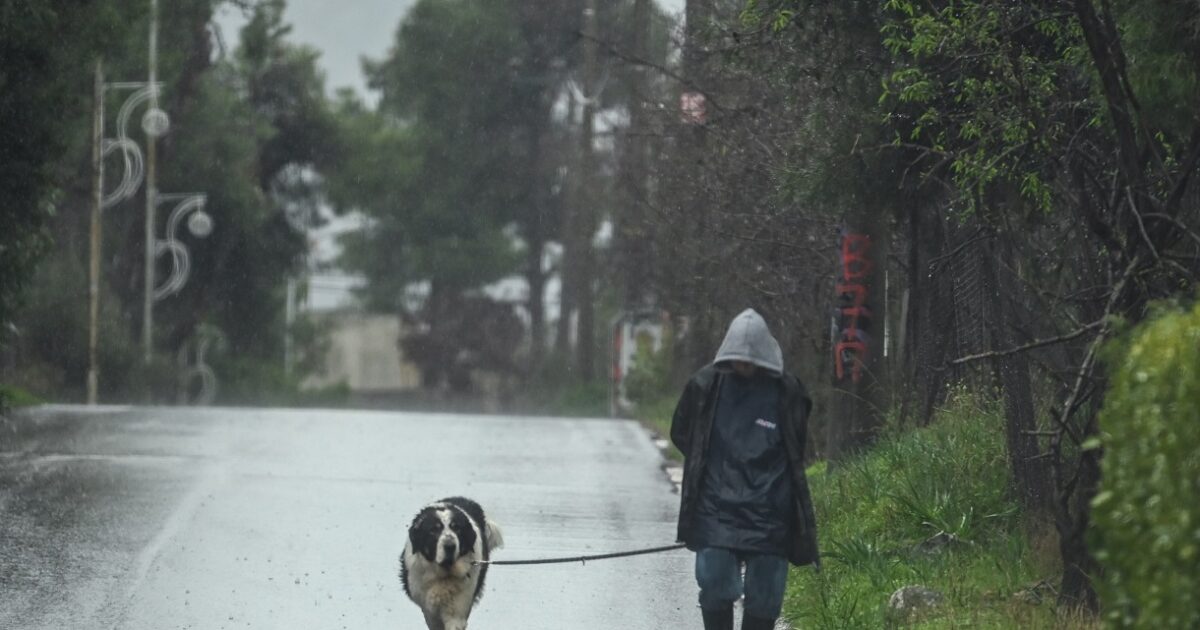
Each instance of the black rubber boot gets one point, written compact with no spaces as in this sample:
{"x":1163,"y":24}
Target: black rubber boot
{"x":750,"y":622}
{"x":718,"y":619}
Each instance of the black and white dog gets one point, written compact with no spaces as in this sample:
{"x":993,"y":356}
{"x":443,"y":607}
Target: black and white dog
{"x":444,"y":541}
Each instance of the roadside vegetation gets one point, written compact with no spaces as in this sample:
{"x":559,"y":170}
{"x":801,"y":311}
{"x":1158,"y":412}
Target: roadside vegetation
{"x":930,"y":507}
{"x":935,"y":507}
{"x":13,"y":397}
{"x":1147,"y":515}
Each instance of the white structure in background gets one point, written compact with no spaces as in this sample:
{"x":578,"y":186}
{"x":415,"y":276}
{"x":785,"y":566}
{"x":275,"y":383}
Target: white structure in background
{"x":364,"y":348}
{"x":631,"y":332}
{"x":364,"y":353}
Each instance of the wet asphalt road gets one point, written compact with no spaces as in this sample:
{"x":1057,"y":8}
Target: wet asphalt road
{"x":152,"y":519}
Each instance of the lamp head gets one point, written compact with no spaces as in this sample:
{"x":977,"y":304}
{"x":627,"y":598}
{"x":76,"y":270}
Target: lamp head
{"x":200,"y":224}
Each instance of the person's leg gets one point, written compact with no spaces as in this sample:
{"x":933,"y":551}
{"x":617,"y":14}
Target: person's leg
{"x":720,"y":581}
{"x":766,"y":582}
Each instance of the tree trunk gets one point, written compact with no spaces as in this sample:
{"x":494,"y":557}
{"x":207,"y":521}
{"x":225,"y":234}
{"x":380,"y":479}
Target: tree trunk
{"x":631,"y":240}
{"x":586,"y":210}
{"x":857,"y":350}
{"x":1074,"y":515}
{"x":1030,"y":473}
{"x":535,"y":240}
{"x":536,"y":303}
{"x":568,"y":263}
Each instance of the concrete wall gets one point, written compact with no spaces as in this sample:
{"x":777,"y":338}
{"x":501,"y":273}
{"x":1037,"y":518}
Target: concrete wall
{"x":365,"y":354}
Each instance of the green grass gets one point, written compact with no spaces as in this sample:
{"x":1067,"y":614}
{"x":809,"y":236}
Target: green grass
{"x":579,"y":399}
{"x":875,"y":510}
{"x":657,"y":416}
{"x":13,"y":397}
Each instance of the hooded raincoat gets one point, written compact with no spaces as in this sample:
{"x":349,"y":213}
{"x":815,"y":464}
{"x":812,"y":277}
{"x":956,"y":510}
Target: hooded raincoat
{"x":749,"y":488}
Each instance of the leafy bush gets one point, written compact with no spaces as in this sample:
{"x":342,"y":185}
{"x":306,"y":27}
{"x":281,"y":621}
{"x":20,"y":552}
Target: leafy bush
{"x":657,"y":414}
{"x":52,"y":340}
{"x":248,"y":381}
{"x":1146,"y":517}
{"x":588,"y":399}
{"x":11,"y":397}
{"x":649,"y":377}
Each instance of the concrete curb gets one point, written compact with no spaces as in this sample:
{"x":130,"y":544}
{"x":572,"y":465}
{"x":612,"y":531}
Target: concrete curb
{"x":670,"y":467}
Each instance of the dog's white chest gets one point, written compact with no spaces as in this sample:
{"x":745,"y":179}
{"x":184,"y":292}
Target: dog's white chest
{"x":449,"y":592}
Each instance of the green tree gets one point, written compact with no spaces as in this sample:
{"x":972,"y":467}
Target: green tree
{"x":251,"y":132}
{"x":45,"y":102}
{"x":1047,"y":121}
{"x":439,"y":173}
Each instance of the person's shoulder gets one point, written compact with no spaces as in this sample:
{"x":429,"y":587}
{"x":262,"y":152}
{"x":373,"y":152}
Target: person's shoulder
{"x":704,"y":376}
{"x":792,"y":384}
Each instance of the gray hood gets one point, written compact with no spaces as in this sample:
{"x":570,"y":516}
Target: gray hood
{"x":748,"y":339}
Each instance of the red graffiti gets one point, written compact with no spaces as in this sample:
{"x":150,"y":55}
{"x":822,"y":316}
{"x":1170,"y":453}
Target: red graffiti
{"x":852,"y":308}
{"x":858,"y":293}
{"x":855,"y":264}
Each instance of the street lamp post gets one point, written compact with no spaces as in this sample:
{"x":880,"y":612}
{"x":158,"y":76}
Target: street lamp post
{"x":151,"y":204}
{"x":154,"y":123}
{"x":93,"y":377}
{"x":131,"y":178}
{"x":200,"y":224}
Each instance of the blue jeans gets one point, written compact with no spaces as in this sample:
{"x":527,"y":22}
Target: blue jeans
{"x":720,"y":578}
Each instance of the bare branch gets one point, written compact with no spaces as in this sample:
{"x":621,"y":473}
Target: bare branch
{"x":1085,"y":368}
{"x":1029,"y":346}
{"x":1176,"y":222}
{"x":977,"y":236}
{"x":1141,"y":225}
{"x":612,"y":50}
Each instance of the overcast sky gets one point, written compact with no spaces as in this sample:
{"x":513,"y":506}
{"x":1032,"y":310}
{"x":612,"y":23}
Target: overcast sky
{"x":347,"y":30}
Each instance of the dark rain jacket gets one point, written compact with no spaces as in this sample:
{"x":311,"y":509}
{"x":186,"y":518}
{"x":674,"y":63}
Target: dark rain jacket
{"x":691,"y":428}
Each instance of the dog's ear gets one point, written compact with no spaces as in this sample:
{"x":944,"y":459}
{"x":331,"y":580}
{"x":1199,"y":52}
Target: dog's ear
{"x":494,"y":535}
{"x":419,"y":526}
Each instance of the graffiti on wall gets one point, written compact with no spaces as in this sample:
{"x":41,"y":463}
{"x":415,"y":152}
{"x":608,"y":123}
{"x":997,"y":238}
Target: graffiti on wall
{"x":853,"y":314}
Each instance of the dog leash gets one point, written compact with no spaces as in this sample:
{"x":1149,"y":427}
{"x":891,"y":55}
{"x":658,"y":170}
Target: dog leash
{"x":583,"y":559}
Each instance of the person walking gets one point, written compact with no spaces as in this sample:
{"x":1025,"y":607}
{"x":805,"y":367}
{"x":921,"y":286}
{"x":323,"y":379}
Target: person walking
{"x":741,"y":425}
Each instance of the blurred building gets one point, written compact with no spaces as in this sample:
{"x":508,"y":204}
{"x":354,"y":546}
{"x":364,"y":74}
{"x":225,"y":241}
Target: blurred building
{"x":364,"y":354}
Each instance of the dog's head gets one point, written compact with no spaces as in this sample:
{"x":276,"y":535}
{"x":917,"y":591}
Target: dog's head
{"x":442,"y":534}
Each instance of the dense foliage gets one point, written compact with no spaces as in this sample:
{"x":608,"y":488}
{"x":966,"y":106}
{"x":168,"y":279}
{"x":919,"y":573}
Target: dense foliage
{"x":1147,"y":515}
{"x":250,"y":128}
{"x":44,"y":98}
{"x":441,"y":172}
{"x":471,"y":164}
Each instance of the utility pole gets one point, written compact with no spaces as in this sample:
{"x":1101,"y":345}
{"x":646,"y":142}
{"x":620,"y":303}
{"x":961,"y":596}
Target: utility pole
{"x":93,"y":377}
{"x":289,"y":320}
{"x":535,"y":236}
{"x":586,"y":210}
{"x":151,"y":202}
{"x":567,"y":265}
